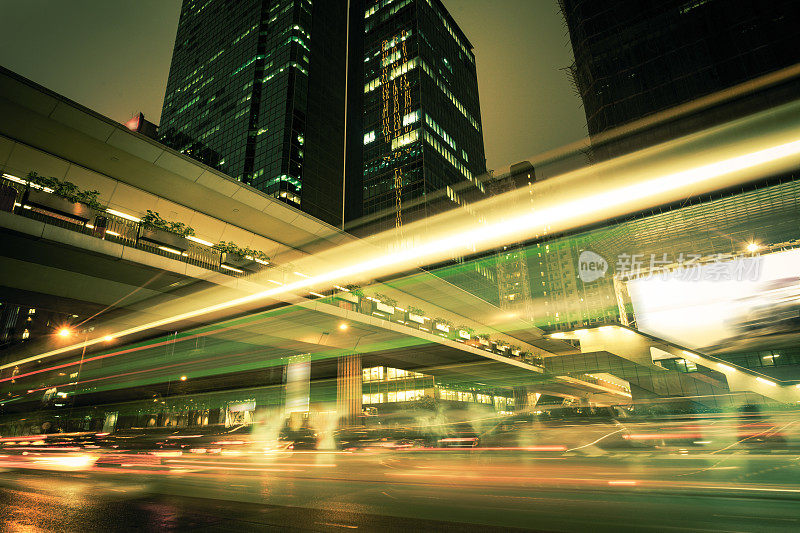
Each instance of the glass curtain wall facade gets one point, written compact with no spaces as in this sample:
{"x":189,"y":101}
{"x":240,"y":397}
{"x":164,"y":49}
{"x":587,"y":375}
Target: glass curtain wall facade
{"x":421,"y":113}
{"x":724,"y":225}
{"x":261,"y":83}
{"x":634,"y":57}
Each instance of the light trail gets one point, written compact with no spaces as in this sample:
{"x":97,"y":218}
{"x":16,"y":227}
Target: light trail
{"x":559,"y":215}
{"x":598,"y":440}
{"x":134,"y":372}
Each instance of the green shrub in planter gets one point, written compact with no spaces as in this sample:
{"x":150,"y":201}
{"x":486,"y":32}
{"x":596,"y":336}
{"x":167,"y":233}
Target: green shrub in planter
{"x":162,"y":237}
{"x":57,"y":204}
{"x":386,"y":300}
{"x":234,"y":249}
{"x":355,"y":289}
{"x":66,"y":189}
{"x":446,"y":324}
{"x":415,"y":310}
{"x":153,"y":220}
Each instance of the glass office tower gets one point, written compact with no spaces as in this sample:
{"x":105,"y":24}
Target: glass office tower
{"x":421,"y":114}
{"x":256,"y":88}
{"x":634,"y":57}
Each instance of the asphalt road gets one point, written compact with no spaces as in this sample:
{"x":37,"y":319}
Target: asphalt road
{"x":429,"y":492}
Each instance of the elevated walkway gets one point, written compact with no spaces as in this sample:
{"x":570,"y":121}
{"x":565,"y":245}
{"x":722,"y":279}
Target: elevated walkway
{"x":641,"y":359}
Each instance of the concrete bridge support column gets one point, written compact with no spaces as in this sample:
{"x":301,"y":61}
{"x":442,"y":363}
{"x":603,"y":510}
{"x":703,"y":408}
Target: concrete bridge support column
{"x":520,"y":399}
{"x":348,"y":389}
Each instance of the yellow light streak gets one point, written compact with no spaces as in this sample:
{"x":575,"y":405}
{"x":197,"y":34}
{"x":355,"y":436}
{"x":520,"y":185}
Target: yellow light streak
{"x":630,"y":188}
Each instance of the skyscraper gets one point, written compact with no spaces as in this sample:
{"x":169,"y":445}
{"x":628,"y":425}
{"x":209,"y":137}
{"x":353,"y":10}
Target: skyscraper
{"x":260,"y":84}
{"x":421,"y":121}
{"x":637,"y":57}
{"x":269,"y":90}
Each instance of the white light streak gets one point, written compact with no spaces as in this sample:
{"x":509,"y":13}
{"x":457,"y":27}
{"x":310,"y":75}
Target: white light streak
{"x":629,"y":190}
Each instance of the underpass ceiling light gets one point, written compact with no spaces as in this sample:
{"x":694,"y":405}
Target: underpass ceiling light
{"x":343,"y":326}
{"x":753,"y":247}
{"x":64,"y":332}
{"x":766,"y":382}
{"x":170,"y":250}
{"x":198,"y":240}
{"x":126,"y":216}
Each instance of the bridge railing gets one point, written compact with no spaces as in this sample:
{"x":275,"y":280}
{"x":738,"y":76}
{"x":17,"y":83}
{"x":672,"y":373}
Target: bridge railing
{"x":55,"y":211}
{"x":368,"y":305}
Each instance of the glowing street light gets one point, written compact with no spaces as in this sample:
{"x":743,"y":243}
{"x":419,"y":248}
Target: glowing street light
{"x":753,"y":247}
{"x":65,"y":332}
{"x":343,"y":327}
{"x":183,"y":378}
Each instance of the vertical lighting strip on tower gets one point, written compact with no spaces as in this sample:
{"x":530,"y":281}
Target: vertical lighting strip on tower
{"x":399,"y":98}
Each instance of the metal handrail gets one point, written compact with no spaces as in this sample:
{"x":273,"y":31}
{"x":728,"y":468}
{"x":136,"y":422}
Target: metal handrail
{"x":113,"y":228}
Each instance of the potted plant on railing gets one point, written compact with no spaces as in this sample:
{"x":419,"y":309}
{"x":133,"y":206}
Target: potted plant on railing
{"x":416,"y":315}
{"x":355,"y":289}
{"x":156,"y":231}
{"x":349,"y":296}
{"x":463,"y":333}
{"x":63,"y":197}
{"x":528,"y":357}
{"x":442,"y":326}
{"x":349,"y":293}
{"x":233,"y":256}
{"x":514,"y":351}
{"x":385,"y":304}
{"x":484,"y":339}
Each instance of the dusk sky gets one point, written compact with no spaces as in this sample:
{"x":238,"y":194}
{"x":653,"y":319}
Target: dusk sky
{"x":113,"y":56}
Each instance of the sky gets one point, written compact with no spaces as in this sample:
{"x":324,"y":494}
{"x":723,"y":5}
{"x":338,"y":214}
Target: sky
{"x":113,"y":56}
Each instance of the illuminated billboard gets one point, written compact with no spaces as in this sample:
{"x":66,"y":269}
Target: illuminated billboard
{"x":716,"y":304}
